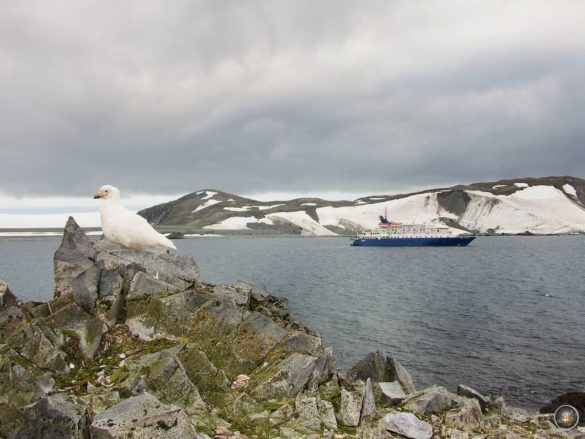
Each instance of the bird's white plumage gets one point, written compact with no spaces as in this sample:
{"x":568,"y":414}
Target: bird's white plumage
{"x":124,"y":227}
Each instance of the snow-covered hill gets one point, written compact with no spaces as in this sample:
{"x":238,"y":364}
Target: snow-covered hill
{"x":531,"y":205}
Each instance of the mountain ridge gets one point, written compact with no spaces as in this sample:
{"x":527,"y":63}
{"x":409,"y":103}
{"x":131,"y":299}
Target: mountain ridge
{"x":541,"y":205}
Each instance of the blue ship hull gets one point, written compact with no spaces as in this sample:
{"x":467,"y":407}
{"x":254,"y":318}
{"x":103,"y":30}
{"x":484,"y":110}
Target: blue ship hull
{"x":451,"y":241}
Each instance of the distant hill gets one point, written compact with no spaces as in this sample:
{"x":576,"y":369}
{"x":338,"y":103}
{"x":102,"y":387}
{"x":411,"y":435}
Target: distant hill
{"x":546,"y":205}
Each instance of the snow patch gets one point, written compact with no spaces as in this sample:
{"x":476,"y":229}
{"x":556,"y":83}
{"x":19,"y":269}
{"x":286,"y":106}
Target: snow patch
{"x":569,"y":190}
{"x":499,"y":185}
{"x":237,"y":209}
{"x":209,"y":195}
{"x":521,"y":184}
{"x":268,"y":207}
{"x":237,"y":223}
{"x":300,"y":219}
{"x":309,"y":204}
{"x":207,"y":204}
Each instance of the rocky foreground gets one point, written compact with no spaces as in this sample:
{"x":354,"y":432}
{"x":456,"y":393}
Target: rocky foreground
{"x":136,"y":345}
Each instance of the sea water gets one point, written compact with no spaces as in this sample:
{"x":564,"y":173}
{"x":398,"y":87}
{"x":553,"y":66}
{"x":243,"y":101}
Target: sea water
{"x":504,"y":315}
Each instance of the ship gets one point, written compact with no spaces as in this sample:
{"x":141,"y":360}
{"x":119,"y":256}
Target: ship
{"x":395,"y":234}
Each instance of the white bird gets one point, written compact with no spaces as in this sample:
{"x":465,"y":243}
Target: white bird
{"x":123,"y":227}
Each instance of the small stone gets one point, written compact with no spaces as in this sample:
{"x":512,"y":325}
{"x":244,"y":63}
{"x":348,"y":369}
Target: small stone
{"x":71,"y":366}
{"x":122,"y":356}
{"x":240,"y":382}
{"x":222,"y":433}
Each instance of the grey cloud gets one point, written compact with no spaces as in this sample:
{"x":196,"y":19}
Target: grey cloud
{"x":287,"y":96}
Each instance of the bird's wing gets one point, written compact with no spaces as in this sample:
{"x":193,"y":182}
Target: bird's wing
{"x":134,"y":231}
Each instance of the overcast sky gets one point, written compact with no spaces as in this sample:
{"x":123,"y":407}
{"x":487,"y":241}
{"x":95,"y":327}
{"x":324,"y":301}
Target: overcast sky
{"x":321,"y":97}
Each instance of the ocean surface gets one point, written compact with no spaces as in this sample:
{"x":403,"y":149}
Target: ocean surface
{"x":505,"y":315}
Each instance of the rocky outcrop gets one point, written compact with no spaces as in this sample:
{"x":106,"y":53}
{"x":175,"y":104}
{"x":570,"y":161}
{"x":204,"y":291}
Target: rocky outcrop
{"x":135,"y":344}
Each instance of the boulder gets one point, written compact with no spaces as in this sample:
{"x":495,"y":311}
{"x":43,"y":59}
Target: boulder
{"x":431,"y":400}
{"x":178,"y":270}
{"x":380,"y":368}
{"x":466,"y":416}
{"x":307,"y":412}
{"x":408,"y":425}
{"x":143,"y":285}
{"x":284,"y":379}
{"x":391,"y":392}
{"x":75,"y":255}
{"x":39,"y":345}
{"x":142,"y":417}
{"x":57,"y":416}
{"x":575,"y":399}
{"x":327,"y":414}
{"x":350,"y":407}
{"x":468,"y":392}
{"x":18,"y":382}
{"x":369,"y":403}
{"x":281,"y":415}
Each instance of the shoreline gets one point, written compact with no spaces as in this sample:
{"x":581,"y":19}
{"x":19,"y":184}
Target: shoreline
{"x":132,"y":331}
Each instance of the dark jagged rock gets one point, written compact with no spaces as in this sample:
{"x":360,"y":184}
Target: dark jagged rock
{"x":576,"y":399}
{"x":75,"y":255}
{"x":380,"y":368}
{"x":58,"y":416}
{"x":468,"y":392}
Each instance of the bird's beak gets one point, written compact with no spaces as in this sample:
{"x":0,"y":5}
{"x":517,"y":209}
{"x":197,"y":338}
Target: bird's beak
{"x":96,"y":196}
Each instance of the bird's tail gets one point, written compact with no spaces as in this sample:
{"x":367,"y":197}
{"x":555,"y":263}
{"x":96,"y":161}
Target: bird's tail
{"x":167,"y":243}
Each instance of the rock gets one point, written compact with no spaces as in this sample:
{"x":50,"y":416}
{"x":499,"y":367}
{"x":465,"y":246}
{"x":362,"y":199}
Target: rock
{"x":57,"y":416}
{"x":369,"y":403}
{"x":498,"y":405}
{"x":307,"y":412}
{"x":285,"y":379}
{"x":240,"y":382}
{"x":408,"y":425}
{"x":11,"y":320}
{"x":575,"y":399}
{"x":142,"y":417}
{"x":392,"y":392}
{"x":467,"y":416}
{"x":380,"y":368}
{"x":85,"y":288}
{"x":468,"y":392}
{"x":7,"y":299}
{"x":431,"y":400}
{"x":143,"y":285}
{"x":180,"y":271}
{"x":75,"y":255}
{"x":39,"y":345}
{"x":236,"y":293}
{"x":73,"y":318}
{"x":18,"y":385}
{"x":327,"y":414}
{"x":281,"y":415}
{"x":209,"y":380}
{"x":350,"y":408}
{"x":163,"y":374}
